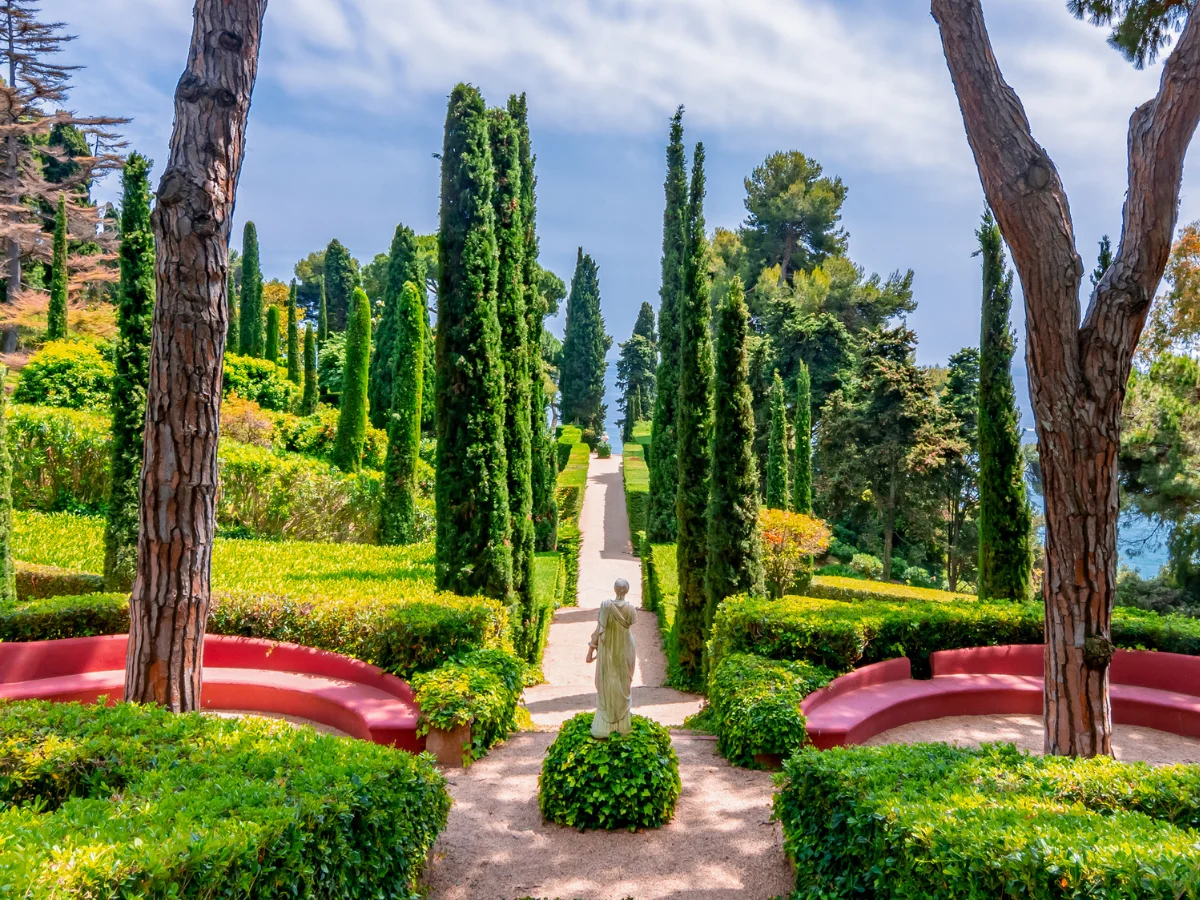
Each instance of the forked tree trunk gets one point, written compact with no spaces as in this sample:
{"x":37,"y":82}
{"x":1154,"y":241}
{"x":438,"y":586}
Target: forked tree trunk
{"x":1077,"y":373}
{"x":179,"y":474}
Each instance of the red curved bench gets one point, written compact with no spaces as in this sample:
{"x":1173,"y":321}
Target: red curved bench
{"x":239,"y":673}
{"x":1151,"y":689}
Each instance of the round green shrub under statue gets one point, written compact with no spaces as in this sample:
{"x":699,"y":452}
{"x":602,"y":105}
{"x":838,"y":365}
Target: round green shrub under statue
{"x":627,"y":781}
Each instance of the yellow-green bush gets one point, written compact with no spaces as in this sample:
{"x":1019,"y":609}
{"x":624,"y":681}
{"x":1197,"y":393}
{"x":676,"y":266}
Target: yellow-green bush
{"x":60,"y":458}
{"x":69,"y":373}
{"x":637,"y":492}
{"x":834,"y":587}
{"x":572,"y":482}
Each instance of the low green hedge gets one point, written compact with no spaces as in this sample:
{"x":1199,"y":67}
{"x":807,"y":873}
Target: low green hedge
{"x":60,"y":458}
{"x":480,"y":689}
{"x":754,"y":706}
{"x":660,"y":593}
{"x":549,"y":586}
{"x":932,"y":820}
{"x":832,"y":587}
{"x":572,"y":481}
{"x":36,"y":582}
{"x":568,"y":437}
{"x":845,"y":635}
{"x":637,"y":492}
{"x":133,"y":801}
{"x":625,"y":781}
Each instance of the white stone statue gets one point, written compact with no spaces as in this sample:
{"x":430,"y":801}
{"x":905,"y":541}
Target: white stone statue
{"x":613,"y":647}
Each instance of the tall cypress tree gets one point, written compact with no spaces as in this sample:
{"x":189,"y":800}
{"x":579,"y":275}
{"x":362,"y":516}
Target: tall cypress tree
{"x":352,"y":408}
{"x":131,"y":357}
{"x":693,"y":428}
{"x":543,"y":467}
{"x":664,"y":467}
{"x":272,"y":343}
{"x":308,"y":404}
{"x":340,"y":281}
{"x":585,"y":346}
{"x":251,"y":325}
{"x":1005,"y":521}
{"x":734,"y":547}
{"x":802,"y":470}
{"x":293,"y":338}
{"x":510,"y":305}
{"x":8,"y":572}
{"x":404,"y":267}
{"x":473,"y":554}
{"x":399,"y":519}
{"x":777,"y":454}
{"x":56,"y":315}
{"x":322,"y":315}
{"x":233,"y":331}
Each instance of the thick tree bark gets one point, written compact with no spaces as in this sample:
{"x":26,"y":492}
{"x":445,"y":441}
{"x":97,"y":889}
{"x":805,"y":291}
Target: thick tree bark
{"x":1077,"y":373}
{"x":179,"y":475}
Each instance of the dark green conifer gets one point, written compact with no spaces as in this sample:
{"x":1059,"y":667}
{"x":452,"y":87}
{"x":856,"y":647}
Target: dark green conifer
{"x":693,"y":429}
{"x":8,"y":570}
{"x":399,"y":524}
{"x":352,"y":407}
{"x":473,"y":553}
{"x":308,"y":404}
{"x":272,"y":344}
{"x":233,"y":340}
{"x":585,"y":346}
{"x":341,"y":278}
{"x":251,"y":326}
{"x":131,"y":357}
{"x":734,"y":548}
{"x":404,"y":267}
{"x":56,"y":315}
{"x":544,"y":468}
{"x":777,"y":452}
{"x":322,"y":315}
{"x":664,"y":468}
{"x":1005,"y":521}
{"x":510,"y":305}
{"x":802,"y":469}
{"x":293,"y":338}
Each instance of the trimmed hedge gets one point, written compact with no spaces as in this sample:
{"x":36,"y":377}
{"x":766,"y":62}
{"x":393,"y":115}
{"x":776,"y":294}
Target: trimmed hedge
{"x":637,"y":492}
{"x":660,"y":593}
{"x":845,"y":635}
{"x":75,"y":374}
{"x":60,"y":458}
{"x":933,"y":820}
{"x":135,"y":801}
{"x":625,"y":781}
{"x":572,"y":481}
{"x":754,"y":706}
{"x":549,"y":587}
{"x":35,"y":582}
{"x":833,"y":587}
{"x":481,"y":689}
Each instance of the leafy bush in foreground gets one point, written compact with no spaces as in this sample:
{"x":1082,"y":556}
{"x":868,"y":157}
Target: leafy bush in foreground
{"x":480,"y":689}
{"x":134,"y":801}
{"x":627,"y":781}
{"x":932,"y":820}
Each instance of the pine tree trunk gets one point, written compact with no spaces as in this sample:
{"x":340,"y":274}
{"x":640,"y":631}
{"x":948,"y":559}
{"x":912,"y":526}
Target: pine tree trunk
{"x":171,"y":593}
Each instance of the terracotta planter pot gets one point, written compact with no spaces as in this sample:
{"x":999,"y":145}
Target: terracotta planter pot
{"x":447,"y":746}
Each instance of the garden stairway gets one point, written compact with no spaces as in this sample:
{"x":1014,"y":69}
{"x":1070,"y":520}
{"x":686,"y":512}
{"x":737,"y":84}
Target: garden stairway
{"x":605,"y":556}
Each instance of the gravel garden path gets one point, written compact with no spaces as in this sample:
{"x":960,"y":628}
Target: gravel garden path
{"x":721,"y":843}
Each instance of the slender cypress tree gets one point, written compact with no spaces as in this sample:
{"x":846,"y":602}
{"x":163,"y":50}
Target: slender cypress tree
{"x":131,"y":356}
{"x":802,"y":480}
{"x":544,"y":468}
{"x":664,"y":467}
{"x":352,"y":409}
{"x":293,"y":338}
{"x":473,"y":554}
{"x":8,"y":571}
{"x":308,"y":404}
{"x":510,"y":305}
{"x":233,"y":340}
{"x":272,"y":343}
{"x":56,"y":315}
{"x":585,"y":346}
{"x":1005,"y":521}
{"x":734,"y":547}
{"x":404,"y":267}
{"x":693,"y":428}
{"x":399,"y":520}
{"x":251,"y":325}
{"x":777,"y":454}
{"x":340,"y":281}
{"x":322,"y":315}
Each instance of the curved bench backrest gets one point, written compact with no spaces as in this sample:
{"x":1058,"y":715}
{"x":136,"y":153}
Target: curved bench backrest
{"x":1154,"y":669}
{"x":50,"y":659}
{"x":876,"y":673}
{"x":1007,"y":659}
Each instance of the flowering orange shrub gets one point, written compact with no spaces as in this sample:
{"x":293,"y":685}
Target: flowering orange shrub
{"x":789,"y":542}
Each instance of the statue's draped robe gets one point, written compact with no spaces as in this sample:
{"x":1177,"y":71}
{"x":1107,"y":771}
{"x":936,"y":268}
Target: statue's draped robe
{"x":615,"y":659}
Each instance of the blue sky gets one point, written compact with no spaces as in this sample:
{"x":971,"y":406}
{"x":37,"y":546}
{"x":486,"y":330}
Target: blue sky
{"x":351,"y":95}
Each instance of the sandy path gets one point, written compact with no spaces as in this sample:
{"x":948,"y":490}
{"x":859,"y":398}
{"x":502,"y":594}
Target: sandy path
{"x":1130,"y":742}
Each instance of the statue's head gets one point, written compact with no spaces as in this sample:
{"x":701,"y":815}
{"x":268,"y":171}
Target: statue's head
{"x":621,"y":588}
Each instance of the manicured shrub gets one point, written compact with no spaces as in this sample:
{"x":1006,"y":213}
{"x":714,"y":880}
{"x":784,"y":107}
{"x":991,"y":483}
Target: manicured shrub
{"x":34,"y":582}
{"x":627,"y":781}
{"x":56,"y":312}
{"x":60,"y":458}
{"x":481,"y":689}
{"x":72,"y":374}
{"x":637,"y":492}
{"x":866,"y":565}
{"x":933,"y":820}
{"x":833,"y":587}
{"x":571,"y":484}
{"x":841,"y":551}
{"x":260,"y":380}
{"x":69,"y":615}
{"x":754,"y":706}
{"x":137,"y":801}
{"x":603,"y":450}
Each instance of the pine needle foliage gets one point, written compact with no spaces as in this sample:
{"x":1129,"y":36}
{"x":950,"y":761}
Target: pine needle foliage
{"x":399,"y":519}
{"x":352,"y":407}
